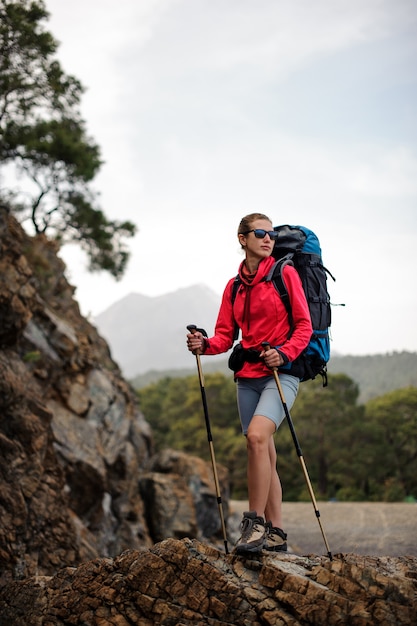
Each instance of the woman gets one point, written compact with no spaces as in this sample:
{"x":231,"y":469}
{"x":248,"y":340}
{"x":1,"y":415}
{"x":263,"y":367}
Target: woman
{"x":261,"y":315}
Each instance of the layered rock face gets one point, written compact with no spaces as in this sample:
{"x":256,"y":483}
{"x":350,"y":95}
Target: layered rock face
{"x":185,"y":582}
{"x":75,"y":449}
{"x":72,"y":440}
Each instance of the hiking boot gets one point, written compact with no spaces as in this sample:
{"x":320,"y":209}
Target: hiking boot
{"x":276,"y":540}
{"x":253,"y":533}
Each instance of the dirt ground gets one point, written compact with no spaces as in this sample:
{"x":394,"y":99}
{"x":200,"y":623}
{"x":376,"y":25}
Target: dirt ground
{"x":367,"y":528}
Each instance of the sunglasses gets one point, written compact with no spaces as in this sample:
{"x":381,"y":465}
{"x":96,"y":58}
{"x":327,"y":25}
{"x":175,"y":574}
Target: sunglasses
{"x":260,"y":233}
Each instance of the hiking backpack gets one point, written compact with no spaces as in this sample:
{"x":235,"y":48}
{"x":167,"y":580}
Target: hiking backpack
{"x":300,"y":247}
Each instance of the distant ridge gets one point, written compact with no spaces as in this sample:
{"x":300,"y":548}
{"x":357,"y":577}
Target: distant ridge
{"x":146,"y":336}
{"x":375,"y":374}
{"x":146,"y":333}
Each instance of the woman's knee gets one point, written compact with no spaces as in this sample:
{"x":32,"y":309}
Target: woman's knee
{"x":259,"y":433}
{"x":254,"y":440}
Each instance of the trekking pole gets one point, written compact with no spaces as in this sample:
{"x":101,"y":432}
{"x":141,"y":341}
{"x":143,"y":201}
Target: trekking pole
{"x":266,"y":346}
{"x":192,"y":328}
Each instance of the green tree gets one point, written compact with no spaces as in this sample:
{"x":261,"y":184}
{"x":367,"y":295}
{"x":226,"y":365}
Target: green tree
{"x":391,"y":444}
{"x":43,"y":138}
{"x":173,"y":407}
{"x":326,"y":422}
{"x":352,"y":452}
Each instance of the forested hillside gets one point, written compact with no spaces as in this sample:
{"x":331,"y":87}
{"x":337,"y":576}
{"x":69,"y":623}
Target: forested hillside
{"x":375,"y":374}
{"x":353,"y":451}
{"x":378,"y":373}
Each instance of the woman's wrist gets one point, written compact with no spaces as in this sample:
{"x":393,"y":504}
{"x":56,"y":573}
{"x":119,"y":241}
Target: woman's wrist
{"x":283,"y":356}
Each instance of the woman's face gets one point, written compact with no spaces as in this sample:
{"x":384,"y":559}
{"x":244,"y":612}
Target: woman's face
{"x":258,"y":245}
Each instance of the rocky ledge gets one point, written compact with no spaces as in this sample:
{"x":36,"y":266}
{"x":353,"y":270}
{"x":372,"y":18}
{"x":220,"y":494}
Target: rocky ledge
{"x":186,"y":582}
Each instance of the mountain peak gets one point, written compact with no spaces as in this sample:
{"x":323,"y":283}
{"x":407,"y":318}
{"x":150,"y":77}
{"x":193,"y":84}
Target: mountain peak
{"x":139,"y":329}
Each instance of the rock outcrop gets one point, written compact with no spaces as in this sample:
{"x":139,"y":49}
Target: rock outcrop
{"x":185,"y":582}
{"x":180,"y":496}
{"x":75,"y":449}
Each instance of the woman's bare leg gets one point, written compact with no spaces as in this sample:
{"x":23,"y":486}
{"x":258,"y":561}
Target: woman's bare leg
{"x":273,"y":509}
{"x":263,"y":482}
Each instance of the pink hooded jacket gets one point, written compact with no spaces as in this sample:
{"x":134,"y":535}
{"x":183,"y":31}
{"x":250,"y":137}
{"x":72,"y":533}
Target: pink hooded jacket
{"x":259,"y":312}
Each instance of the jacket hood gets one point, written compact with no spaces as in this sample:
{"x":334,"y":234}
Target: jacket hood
{"x":263,"y":269}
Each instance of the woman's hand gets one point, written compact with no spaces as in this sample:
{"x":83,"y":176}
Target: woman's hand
{"x":272,"y":358}
{"x":195,"y":342}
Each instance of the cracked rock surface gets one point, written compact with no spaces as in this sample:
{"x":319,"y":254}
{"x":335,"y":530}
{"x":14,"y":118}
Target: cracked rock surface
{"x":187,"y":582}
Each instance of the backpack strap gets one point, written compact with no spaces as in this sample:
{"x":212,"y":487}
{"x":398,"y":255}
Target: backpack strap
{"x":236,"y":284}
{"x":275,"y":275}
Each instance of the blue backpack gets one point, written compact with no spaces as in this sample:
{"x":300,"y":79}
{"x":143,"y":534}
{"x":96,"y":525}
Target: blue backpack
{"x":300,"y":247}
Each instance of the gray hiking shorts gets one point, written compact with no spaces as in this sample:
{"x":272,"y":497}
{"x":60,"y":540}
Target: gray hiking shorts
{"x":259,"y":396}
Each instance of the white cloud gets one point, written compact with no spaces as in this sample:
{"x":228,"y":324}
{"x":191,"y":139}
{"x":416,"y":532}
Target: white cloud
{"x":209,"y":109}
{"x":390,"y":174}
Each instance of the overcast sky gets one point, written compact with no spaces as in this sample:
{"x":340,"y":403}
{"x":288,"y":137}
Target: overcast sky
{"x":206,"y":110}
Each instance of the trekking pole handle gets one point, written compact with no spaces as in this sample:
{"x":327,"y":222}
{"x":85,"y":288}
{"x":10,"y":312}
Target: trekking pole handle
{"x":267,"y":346}
{"x":193,"y":329}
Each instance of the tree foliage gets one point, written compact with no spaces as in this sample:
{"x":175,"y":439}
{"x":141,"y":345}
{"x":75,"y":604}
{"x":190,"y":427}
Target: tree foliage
{"x":173,"y":407}
{"x":375,"y":374}
{"x":325,"y":420}
{"x":391,"y":444}
{"x":352,"y":451}
{"x":44,"y":139}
